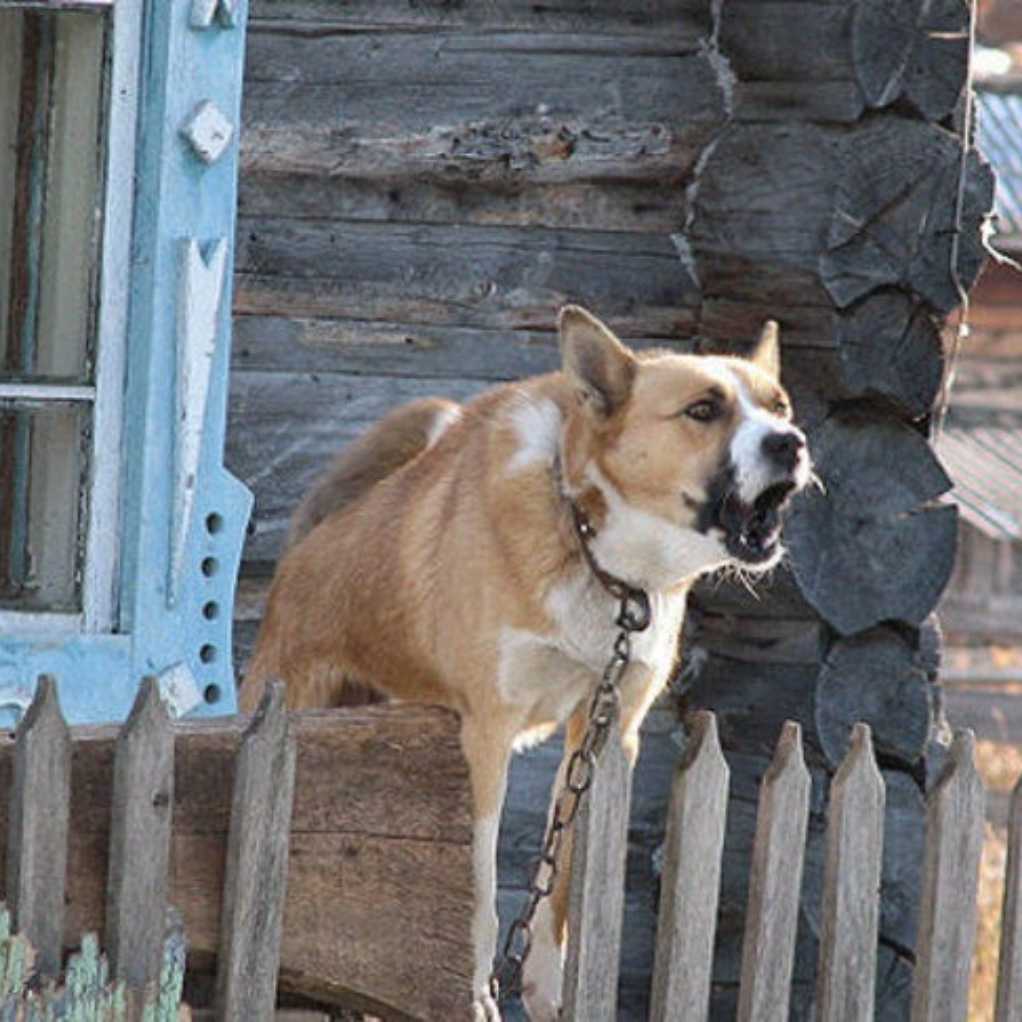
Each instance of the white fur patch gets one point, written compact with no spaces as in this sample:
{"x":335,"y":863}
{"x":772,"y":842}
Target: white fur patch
{"x":537,"y":425}
{"x":443,"y":421}
{"x":645,"y":549}
{"x":753,"y":469}
{"x":543,"y":969}
{"x":484,"y":919}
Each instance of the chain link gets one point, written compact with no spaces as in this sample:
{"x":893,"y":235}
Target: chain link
{"x":633,"y":616}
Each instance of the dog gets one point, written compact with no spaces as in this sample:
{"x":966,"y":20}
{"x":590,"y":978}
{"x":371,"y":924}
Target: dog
{"x":459,"y":555}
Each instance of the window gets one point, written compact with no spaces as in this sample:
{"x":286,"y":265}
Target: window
{"x":61,"y":336}
{"x":120,"y":530}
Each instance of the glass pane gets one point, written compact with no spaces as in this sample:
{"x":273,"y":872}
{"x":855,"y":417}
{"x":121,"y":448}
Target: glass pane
{"x":51,"y":102}
{"x":42,"y":468}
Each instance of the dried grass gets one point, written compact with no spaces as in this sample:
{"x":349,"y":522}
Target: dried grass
{"x":1000,"y":766}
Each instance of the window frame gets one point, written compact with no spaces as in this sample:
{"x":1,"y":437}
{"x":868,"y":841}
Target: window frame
{"x":101,"y":528}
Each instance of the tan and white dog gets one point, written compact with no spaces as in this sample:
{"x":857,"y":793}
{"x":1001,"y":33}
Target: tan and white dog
{"x":439,"y":560}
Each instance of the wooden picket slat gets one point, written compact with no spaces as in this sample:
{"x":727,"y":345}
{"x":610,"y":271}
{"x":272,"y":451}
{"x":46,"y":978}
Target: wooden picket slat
{"x":38,"y":830}
{"x":255,"y":879}
{"x":775,"y":880}
{"x":947,"y":915}
{"x":597,"y":895}
{"x":691,"y":878}
{"x":1009,"y":969}
{"x":846,"y":977}
{"x":140,"y":833}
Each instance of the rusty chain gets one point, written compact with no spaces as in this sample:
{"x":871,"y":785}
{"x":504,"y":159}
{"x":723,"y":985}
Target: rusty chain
{"x":633,"y":616}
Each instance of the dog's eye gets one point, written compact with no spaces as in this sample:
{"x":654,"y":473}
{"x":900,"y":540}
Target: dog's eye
{"x":703,"y":411}
{"x":781,"y":408}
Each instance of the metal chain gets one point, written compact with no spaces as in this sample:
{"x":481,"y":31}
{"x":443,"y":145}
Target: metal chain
{"x":633,"y":616}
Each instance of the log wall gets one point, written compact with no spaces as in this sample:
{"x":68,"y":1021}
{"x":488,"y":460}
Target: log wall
{"x":424,"y":183}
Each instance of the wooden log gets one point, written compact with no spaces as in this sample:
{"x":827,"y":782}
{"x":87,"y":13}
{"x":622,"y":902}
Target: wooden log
{"x":876,"y":677}
{"x":255,"y":877}
{"x":691,"y":878}
{"x":37,"y":825}
{"x":947,"y":920}
{"x":1009,"y":966}
{"x":140,"y":827}
{"x":656,"y":18}
{"x":359,"y":347}
{"x":867,"y":547}
{"x":380,"y":857}
{"x":891,"y":223}
{"x":939,"y":64}
{"x":458,"y":275}
{"x":596,"y":898}
{"x":846,"y":976}
{"x":882,"y":40}
{"x":775,"y":884}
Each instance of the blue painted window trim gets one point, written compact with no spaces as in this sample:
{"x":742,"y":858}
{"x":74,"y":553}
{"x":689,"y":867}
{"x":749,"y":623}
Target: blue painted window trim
{"x":183,"y":516}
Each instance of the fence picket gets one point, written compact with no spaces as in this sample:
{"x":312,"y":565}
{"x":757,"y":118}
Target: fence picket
{"x":846,"y":977}
{"x":140,"y":831}
{"x":38,"y":829}
{"x":768,"y":949}
{"x":1009,"y":970}
{"x":947,"y":915}
{"x":691,"y":878}
{"x":596,"y":900}
{"x":255,"y":878}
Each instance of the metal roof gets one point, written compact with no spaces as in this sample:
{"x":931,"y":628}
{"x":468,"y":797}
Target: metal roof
{"x":999,"y":129}
{"x":985,"y":464}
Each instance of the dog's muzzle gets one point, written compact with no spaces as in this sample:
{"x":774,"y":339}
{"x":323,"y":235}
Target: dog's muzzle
{"x":752,"y":532}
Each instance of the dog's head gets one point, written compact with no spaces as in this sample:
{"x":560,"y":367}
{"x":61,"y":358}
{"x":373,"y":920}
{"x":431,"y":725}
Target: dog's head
{"x":686,"y":462}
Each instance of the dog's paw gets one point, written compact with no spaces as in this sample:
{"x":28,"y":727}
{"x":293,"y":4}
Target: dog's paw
{"x":541,"y":983}
{"x":542,"y":1004}
{"x":484,"y":1008}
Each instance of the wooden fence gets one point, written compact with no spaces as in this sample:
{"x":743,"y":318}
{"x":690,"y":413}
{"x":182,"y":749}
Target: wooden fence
{"x":146,"y":816}
{"x":854,"y":844}
{"x":354,"y":826}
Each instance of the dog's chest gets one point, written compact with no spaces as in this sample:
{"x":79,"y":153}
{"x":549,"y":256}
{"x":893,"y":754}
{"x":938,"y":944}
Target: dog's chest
{"x":547,"y":675}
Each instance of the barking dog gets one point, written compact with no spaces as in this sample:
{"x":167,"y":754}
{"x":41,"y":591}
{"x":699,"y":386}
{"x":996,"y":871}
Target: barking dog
{"x":440,"y":560}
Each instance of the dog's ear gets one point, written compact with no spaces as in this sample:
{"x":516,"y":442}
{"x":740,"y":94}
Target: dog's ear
{"x":767,"y":353}
{"x":599,"y":366}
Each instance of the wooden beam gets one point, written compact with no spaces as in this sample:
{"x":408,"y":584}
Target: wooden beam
{"x":380,"y":856}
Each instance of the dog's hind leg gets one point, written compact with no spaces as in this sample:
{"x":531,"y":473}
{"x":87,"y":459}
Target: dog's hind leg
{"x":487,"y":747}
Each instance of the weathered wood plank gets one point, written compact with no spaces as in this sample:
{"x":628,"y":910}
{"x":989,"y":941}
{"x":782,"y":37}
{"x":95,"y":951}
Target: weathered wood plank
{"x":846,"y":976}
{"x":380,"y":856}
{"x":690,"y":882}
{"x":1009,"y":968}
{"x":255,"y":877}
{"x":37,"y":825}
{"x":680,"y":18}
{"x":298,"y":345}
{"x":775,"y":883}
{"x":947,"y":914}
{"x":596,"y":899}
{"x":464,"y":276}
{"x":140,"y":826}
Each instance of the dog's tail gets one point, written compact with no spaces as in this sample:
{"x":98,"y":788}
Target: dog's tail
{"x":394,"y":441}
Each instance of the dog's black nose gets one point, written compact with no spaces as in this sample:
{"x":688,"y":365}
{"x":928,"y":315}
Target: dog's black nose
{"x":784,"y":448}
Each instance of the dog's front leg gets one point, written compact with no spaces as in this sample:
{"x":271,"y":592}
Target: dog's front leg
{"x":487,"y":748}
{"x":543,"y":975}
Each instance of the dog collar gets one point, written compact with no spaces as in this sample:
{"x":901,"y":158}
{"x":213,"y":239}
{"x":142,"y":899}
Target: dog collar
{"x":635,"y":611}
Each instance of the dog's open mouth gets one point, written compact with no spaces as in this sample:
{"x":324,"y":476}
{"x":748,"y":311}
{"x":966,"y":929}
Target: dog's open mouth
{"x":752,"y":531}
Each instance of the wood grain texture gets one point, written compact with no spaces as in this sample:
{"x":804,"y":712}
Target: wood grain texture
{"x":775,"y":883}
{"x":596,"y":899}
{"x":1009,"y":967}
{"x":37,"y":825}
{"x":690,"y":883}
{"x":870,"y":546}
{"x":846,"y":975}
{"x":380,"y":857}
{"x":460,"y":275}
{"x":656,"y":18}
{"x":947,"y":914}
{"x":255,"y":875}
{"x":140,"y":828}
